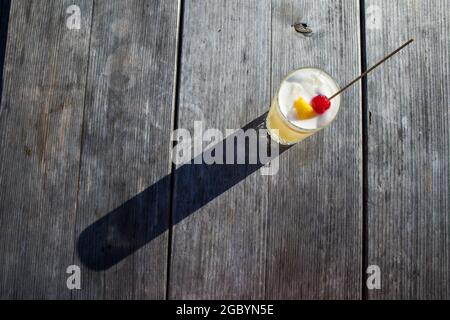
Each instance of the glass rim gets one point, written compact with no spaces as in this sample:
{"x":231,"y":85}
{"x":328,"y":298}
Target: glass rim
{"x":288,"y":123}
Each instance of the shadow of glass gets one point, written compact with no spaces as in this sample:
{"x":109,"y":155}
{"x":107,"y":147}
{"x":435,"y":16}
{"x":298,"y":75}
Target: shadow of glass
{"x":144,"y":217}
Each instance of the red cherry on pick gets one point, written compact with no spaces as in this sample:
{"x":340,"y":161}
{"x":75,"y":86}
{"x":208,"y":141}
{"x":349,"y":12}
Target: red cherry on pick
{"x":320,"y":104}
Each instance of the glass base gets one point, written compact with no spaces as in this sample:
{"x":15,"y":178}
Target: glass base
{"x":280,"y":132}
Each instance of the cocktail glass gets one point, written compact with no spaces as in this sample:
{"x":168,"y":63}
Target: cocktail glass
{"x":284,"y":128}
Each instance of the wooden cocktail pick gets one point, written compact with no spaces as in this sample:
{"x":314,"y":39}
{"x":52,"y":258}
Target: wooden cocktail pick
{"x":370,"y":69}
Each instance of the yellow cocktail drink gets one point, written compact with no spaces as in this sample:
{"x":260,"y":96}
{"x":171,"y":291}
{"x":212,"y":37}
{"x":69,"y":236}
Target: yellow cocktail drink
{"x":291,"y":118}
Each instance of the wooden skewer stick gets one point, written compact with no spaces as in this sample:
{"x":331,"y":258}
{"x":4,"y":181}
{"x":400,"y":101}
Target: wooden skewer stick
{"x":370,"y":69}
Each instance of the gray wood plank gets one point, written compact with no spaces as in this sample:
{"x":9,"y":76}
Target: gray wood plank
{"x":5,"y":7}
{"x":218,"y":251}
{"x":297,"y":234}
{"x":126,"y":145}
{"x":40,"y":131}
{"x":314,"y":239}
{"x":408,"y":150}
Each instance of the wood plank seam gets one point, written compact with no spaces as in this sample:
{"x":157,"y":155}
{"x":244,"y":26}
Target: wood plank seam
{"x":5,"y":8}
{"x":82,"y":134}
{"x":177,"y":81}
{"x":365,"y":185}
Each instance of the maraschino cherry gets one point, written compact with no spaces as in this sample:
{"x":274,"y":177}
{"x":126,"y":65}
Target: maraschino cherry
{"x":320,"y":104}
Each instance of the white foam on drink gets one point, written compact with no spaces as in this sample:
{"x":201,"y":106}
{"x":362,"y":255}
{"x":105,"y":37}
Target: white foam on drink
{"x":308,"y":83}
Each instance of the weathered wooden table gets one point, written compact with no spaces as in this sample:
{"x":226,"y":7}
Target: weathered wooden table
{"x":92,"y":90}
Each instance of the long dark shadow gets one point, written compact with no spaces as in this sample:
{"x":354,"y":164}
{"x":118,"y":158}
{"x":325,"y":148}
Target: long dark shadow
{"x":5,"y":6}
{"x":146,"y":216}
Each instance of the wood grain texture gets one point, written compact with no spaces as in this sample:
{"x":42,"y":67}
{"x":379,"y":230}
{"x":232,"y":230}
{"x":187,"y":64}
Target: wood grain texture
{"x":297,"y":234}
{"x":40,"y":131}
{"x":5,"y":7}
{"x":126,"y":138}
{"x":408,"y":150}
{"x":85,"y":123}
{"x":219,"y":251}
{"x":314,"y":239}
